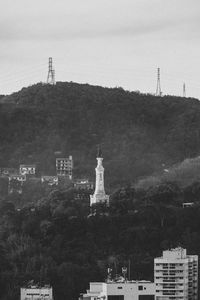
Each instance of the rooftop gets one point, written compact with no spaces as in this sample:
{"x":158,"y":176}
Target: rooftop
{"x":176,"y":253}
{"x":24,"y":165}
{"x":31,"y":285}
{"x":128,"y":281}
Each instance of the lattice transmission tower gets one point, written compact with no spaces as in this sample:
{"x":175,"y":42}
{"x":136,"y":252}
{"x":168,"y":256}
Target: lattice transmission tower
{"x":158,"y":87}
{"x":51,"y":73}
{"x":184,"y":90}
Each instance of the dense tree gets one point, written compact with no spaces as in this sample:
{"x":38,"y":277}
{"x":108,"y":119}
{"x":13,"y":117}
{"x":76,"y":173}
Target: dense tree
{"x":139,"y":132}
{"x":55,"y":242}
{"x":50,"y":235}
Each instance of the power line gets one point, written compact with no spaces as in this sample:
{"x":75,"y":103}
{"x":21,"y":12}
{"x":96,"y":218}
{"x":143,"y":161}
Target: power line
{"x":26,"y":76}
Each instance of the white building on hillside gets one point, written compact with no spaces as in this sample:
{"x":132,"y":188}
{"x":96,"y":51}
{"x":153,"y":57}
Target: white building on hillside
{"x":49,"y":180}
{"x":64,"y":166}
{"x":176,"y":275}
{"x":34,"y":292}
{"x":27,"y":169}
{"x":127,"y":290}
{"x":99,"y":195}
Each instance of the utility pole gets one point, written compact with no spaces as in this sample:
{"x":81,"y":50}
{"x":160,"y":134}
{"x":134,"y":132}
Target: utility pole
{"x":158,"y":87}
{"x":51,"y":73}
{"x":184,"y":90}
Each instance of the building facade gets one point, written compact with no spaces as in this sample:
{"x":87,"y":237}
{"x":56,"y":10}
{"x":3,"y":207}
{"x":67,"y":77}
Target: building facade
{"x":49,"y":180}
{"x":176,"y":275}
{"x":16,"y":183}
{"x":27,"y":169}
{"x":8,"y":171}
{"x":127,"y":290}
{"x":99,"y":195}
{"x":64,"y":166}
{"x":36,"y":293}
{"x":20,"y":178}
{"x":83,"y":184}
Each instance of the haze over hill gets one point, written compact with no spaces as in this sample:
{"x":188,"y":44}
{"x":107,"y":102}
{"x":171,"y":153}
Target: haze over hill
{"x":140,"y":134}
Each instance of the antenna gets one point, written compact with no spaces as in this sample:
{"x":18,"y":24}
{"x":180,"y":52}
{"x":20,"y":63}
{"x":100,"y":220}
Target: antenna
{"x":109,"y":277}
{"x":158,"y":87}
{"x":129,"y":269}
{"x":184,"y":90}
{"x":124,"y":272}
{"x":51,"y":73}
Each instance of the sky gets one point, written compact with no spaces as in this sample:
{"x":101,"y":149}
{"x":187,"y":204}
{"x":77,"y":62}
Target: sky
{"x":110,"y":43}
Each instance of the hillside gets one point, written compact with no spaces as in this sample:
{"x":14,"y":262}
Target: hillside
{"x":49,"y":236}
{"x":184,"y":174}
{"x":141,"y":134}
{"x":54,"y":241}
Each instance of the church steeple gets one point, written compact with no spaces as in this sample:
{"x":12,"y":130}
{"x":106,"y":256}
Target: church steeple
{"x":99,"y":194}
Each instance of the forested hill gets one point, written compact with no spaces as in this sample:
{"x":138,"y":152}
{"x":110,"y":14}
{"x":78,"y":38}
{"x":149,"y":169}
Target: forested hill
{"x":140,"y":133}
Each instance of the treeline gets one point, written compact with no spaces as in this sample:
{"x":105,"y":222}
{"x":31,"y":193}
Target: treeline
{"x":139,"y":133}
{"x":58,"y":241}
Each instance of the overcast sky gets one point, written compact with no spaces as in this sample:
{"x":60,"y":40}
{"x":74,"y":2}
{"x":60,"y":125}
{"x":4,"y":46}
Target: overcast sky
{"x":102,"y":42}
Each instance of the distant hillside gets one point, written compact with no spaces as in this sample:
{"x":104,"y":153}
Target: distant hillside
{"x":141,"y":134}
{"x":184,"y":174}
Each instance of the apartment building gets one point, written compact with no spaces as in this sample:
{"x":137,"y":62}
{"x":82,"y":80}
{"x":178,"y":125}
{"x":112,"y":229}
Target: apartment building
{"x":176,"y":275}
{"x":64,"y":166}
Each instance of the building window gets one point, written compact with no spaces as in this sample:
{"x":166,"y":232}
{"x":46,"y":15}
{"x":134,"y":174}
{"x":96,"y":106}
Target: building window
{"x":146,"y":297}
{"x":116,"y":297}
{"x":140,"y":287}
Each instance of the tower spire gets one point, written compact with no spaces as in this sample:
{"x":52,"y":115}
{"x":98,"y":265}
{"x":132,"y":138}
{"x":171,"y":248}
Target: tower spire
{"x":99,"y":195}
{"x":99,"y":151}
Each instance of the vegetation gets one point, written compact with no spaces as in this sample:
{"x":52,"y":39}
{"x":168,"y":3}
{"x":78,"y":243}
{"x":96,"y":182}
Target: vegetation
{"x":141,"y":134}
{"x":56,"y":242}
{"x":49,"y":235}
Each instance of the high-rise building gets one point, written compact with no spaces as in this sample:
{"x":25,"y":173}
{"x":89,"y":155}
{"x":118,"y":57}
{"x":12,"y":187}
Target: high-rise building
{"x":64,"y":166}
{"x":176,"y":275}
{"x":99,"y":195}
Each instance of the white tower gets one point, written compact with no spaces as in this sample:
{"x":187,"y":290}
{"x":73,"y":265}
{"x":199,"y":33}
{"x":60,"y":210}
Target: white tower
{"x":99,"y":195}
